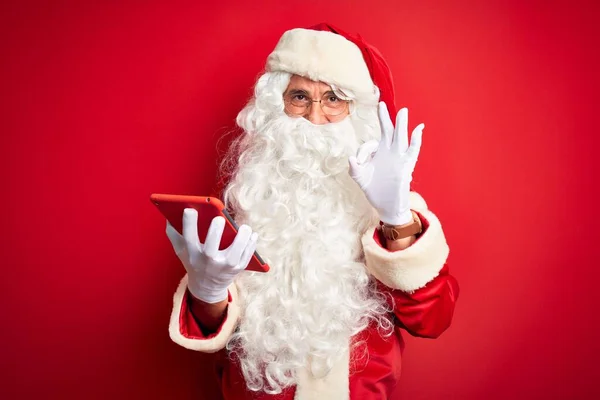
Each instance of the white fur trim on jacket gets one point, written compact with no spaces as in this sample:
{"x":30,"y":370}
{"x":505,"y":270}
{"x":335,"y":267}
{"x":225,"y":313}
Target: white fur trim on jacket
{"x":323,"y":56}
{"x":335,"y":386}
{"x":412,"y":268}
{"x":213,"y":344}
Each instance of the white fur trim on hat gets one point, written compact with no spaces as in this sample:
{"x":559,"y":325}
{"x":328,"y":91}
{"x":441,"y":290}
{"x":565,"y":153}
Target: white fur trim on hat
{"x":412,"y":268}
{"x":215,"y":343}
{"x":323,"y":56}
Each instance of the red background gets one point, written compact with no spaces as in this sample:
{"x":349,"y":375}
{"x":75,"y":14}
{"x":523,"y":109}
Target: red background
{"x":103,"y":104}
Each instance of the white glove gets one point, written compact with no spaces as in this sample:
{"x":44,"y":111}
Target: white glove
{"x":210,"y":270}
{"x":385,"y":178}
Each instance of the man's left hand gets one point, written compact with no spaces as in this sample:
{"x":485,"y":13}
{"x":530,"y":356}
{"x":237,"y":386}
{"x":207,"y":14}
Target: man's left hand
{"x":384,"y":169}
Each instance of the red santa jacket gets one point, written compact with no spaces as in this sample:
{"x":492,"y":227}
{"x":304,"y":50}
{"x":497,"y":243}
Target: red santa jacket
{"x":422,"y":295}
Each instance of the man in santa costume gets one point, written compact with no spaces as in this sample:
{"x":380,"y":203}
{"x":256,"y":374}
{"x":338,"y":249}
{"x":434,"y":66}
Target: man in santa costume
{"x":320,"y":184}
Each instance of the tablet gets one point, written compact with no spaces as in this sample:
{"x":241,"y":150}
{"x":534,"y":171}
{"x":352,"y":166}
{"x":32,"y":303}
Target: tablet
{"x":172,"y":206}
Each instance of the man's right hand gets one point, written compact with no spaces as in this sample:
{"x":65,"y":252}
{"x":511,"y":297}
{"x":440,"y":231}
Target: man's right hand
{"x":210,"y":270}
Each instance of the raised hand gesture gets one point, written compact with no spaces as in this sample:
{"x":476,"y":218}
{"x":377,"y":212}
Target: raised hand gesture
{"x":384,"y":169}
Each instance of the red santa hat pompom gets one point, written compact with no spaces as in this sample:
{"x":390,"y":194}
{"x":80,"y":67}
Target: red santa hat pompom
{"x":328,"y":54}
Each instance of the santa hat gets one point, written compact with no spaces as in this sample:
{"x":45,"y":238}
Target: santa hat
{"x":328,"y":54}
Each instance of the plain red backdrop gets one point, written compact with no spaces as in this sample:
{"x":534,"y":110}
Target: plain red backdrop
{"x":103,"y":104}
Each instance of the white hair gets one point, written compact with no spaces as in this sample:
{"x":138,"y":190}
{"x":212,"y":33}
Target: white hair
{"x":290,"y":184}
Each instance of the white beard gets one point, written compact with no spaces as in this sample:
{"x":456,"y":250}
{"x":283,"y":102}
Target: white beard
{"x":293,"y":188}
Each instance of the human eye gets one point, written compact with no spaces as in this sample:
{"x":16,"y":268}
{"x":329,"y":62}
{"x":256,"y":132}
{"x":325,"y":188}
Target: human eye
{"x":298,"y":97}
{"x":331,"y":97}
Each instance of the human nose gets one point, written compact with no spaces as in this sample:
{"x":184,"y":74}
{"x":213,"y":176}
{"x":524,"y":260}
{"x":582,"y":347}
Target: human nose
{"x":316,"y":114}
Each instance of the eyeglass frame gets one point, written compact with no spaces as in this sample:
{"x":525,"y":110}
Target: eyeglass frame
{"x":288,"y":101}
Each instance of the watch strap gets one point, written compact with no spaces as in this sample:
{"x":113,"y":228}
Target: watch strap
{"x":394,"y":232}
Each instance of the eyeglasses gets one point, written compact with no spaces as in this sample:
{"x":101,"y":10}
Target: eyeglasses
{"x":297,"y":103}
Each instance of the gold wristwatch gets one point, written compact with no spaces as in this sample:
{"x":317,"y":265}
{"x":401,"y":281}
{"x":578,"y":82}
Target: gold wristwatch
{"x":395,"y":232}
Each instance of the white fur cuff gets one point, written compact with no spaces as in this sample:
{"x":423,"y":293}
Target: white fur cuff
{"x":412,"y":268}
{"x":213,"y":344}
